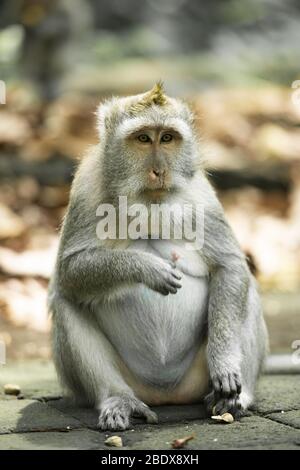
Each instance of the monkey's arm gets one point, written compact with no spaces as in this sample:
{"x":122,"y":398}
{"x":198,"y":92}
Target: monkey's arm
{"x":92,"y":270}
{"x":229,"y":284}
{"x":86,"y":267}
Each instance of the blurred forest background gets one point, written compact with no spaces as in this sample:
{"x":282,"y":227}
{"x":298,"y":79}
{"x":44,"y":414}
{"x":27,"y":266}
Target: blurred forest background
{"x":235,"y":61}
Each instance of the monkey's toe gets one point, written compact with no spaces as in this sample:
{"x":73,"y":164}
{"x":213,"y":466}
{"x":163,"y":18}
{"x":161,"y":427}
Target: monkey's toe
{"x":143,"y":411}
{"x":113,"y":420}
{"x":114,"y":414}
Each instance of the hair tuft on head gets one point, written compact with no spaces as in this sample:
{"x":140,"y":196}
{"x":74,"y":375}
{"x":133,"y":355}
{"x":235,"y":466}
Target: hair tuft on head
{"x":154,"y":96}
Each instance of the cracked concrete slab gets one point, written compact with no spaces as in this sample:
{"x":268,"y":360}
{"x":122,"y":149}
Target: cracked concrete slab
{"x":41,"y":422}
{"x":37,"y":378}
{"x":75,"y":440}
{"x":290,"y":418}
{"x":278,"y":393}
{"x":250,"y":432}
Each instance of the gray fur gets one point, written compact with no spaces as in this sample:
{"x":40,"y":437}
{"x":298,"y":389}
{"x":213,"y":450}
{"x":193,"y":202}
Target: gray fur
{"x":110,"y":303}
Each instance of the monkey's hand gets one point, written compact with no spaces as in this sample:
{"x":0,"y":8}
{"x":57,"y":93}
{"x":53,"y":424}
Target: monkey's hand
{"x":226,"y":384}
{"x":225,"y":394}
{"x":161,"y":275}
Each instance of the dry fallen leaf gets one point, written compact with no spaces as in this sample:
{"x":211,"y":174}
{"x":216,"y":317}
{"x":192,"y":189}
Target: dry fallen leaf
{"x":114,"y":441}
{"x":225,"y":418}
{"x":12,"y":389}
{"x":179,"y":443}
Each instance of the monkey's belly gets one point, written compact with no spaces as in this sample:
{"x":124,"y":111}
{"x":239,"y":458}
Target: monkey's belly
{"x":191,"y":389}
{"x":158,"y":336}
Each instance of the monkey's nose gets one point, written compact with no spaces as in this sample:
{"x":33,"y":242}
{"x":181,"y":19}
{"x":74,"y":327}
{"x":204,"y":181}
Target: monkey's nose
{"x":155,"y":174}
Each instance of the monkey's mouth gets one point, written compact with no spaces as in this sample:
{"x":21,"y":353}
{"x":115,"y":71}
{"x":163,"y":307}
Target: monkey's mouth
{"x":158,"y":188}
{"x":162,"y":184}
{"x":158,"y":192}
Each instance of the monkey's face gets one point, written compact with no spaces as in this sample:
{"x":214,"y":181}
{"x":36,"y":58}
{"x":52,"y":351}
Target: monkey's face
{"x":150,"y":145}
{"x":150,"y":161}
{"x":155,"y":149}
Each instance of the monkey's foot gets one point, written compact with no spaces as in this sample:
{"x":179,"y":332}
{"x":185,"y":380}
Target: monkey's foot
{"x":115,"y":413}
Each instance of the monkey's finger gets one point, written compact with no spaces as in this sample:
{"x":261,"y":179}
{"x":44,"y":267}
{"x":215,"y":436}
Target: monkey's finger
{"x":172,"y":289}
{"x":151,"y":417}
{"x":162,"y":288}
{"x":232,"y":385}
{"x":219,"y":407}
{"x":235,"y":408}
{"x":225,"y":405}
{"x":142,"y":410}
{"x":210,"y":401}
{"x":225,"y":386}
{"x":238,"y":384}
{"x":163,"y":291}
{"x":217,"y":386}
{"x":173,"y":282}
{"x":237,"y":405}
{"x":175,"y":273}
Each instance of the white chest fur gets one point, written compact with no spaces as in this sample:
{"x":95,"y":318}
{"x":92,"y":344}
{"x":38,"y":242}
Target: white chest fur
{"x":158,"y":336}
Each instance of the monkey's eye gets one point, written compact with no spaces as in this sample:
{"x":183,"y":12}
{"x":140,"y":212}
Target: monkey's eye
{"x":166,"y":138}
{"x":144,"y":138}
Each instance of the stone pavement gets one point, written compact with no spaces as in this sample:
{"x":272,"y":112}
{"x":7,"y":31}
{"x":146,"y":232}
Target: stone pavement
{"x":41,"y":420}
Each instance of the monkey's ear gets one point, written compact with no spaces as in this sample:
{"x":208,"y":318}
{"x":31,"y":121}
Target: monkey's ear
{"x":102,"y":115}
{"x":107,"y":116}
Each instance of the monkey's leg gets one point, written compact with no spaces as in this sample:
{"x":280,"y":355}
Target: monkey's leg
{"x":89,"y":367}
{"x":228,"y":310}
{"x":234,"y":393}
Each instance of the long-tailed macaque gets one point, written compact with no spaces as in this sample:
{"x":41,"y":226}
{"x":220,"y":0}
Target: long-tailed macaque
{"x":149,"y":321}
